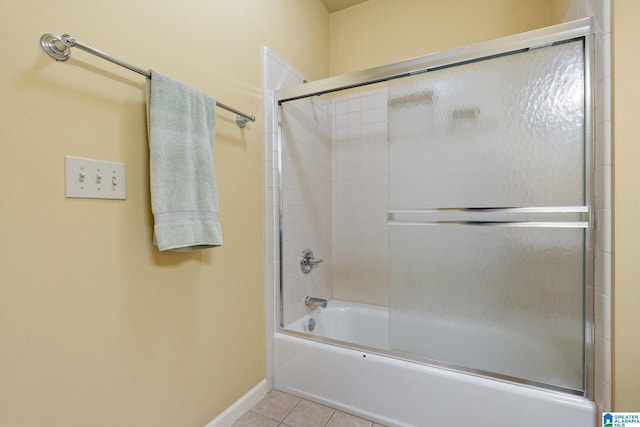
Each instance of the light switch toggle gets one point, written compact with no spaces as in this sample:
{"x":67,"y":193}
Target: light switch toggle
{"x":88,"y":178}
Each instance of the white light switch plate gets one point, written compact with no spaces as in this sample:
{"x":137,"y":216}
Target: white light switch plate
{"x":94,"y":179}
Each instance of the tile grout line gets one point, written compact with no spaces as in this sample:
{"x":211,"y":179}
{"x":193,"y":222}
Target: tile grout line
{"x":290,"y":411}
{"x":371,"y":422}
{"x":280,"y":422}
{"x":333,"y":411}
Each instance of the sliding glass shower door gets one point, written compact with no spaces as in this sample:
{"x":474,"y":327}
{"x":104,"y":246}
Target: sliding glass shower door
{"x":488,"y":215}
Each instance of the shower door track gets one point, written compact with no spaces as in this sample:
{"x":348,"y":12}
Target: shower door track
{"x":502,"y":46}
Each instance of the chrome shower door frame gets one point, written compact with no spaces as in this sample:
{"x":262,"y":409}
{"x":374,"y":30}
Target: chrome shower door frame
{"x":579,"y":29}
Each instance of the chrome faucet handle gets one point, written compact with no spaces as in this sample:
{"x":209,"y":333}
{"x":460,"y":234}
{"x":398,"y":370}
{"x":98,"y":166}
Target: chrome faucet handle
{"x":314,"y":261}
{"x":308,"y":260}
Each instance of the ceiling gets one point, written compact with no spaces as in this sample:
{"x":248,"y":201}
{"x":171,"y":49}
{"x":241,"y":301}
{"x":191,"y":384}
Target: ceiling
{"x":336,"y":5}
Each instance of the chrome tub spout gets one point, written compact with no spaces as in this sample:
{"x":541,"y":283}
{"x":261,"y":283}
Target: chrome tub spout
{"x":315,"y":302}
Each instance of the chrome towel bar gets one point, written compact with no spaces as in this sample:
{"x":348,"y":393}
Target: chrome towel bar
{"x":59,"y":48}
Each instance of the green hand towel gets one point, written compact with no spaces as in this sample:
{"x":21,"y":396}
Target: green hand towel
{"x":181,"y":124}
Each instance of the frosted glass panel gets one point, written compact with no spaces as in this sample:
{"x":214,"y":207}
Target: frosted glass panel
{"x":502,"y":300}
{"x":504,"y":132}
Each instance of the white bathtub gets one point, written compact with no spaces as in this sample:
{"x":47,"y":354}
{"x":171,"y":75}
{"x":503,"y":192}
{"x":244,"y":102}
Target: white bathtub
{"x":402,"y":393}
{"x":367,"y":325}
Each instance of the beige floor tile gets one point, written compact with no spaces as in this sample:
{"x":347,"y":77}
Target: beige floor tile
{"x":279,"y":409}
{"x":340,"y":419}
{"x":251,"y":419}
{"x":308,"y":414}
{"x":276,"y":405}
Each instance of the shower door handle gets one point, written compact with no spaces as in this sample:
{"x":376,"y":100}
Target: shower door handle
{"x":545,"y":217}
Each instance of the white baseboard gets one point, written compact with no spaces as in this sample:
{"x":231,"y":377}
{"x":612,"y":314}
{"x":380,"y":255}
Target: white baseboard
{"x":240,"y":406}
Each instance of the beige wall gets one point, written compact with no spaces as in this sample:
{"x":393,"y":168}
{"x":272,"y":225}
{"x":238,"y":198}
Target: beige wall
{"x":379,"y":32}
{"x":96,"y":326}
{"x":626,"y":352}
{"x":559,"y":10}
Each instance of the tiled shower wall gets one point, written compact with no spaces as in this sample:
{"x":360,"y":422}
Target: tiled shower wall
{"x":360,"y":192}
{"x":306,"y":193}
{"x":306,"y":202}
{"x":334,"y":198}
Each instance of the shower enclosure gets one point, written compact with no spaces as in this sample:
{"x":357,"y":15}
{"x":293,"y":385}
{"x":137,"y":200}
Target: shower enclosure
{"x":454,"y":192}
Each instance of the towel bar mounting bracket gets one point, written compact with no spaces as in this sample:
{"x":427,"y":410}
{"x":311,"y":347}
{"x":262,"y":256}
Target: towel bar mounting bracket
{"x":241,"y":121}
{"x":55,"y":47}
